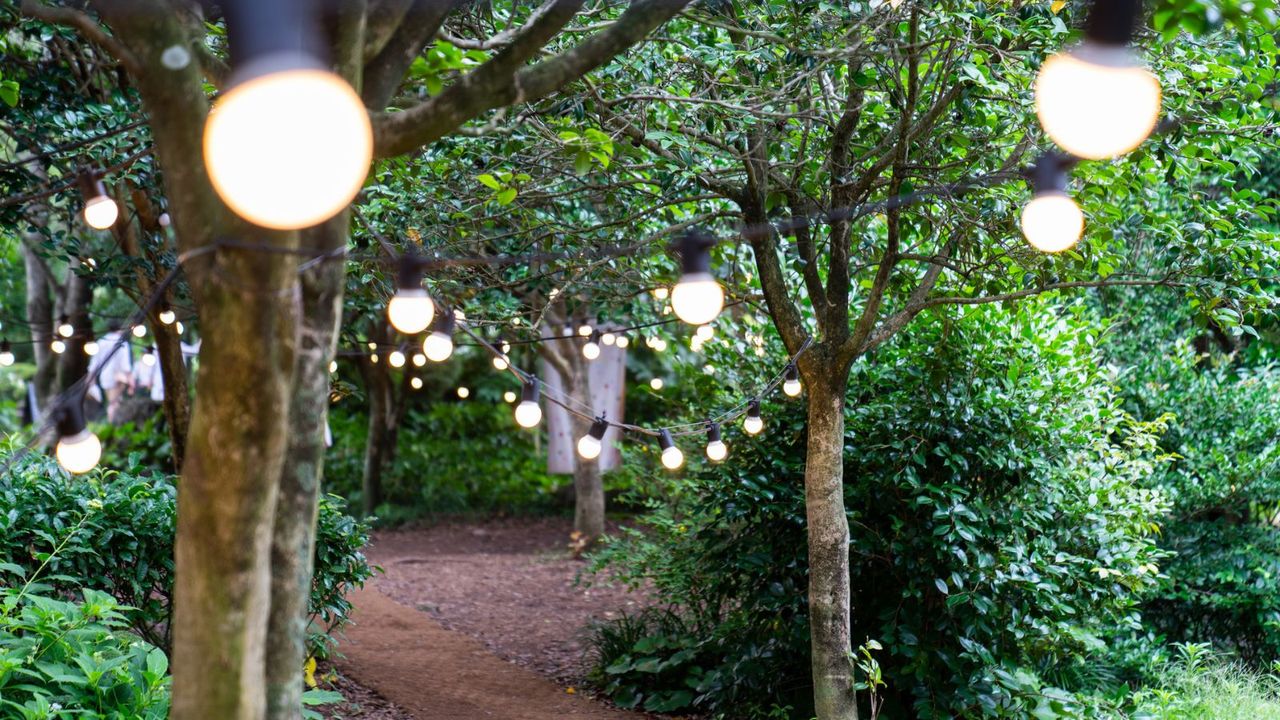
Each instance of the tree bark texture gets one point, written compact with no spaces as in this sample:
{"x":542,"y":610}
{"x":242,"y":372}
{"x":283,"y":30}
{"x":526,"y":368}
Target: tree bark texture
{"x":39,"y":322}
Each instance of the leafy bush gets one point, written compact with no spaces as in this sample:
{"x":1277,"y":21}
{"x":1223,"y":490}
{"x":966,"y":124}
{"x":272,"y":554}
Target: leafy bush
{"x":123,"y":543}
{"x":999,"y":531}
{"x":1202,"y":686}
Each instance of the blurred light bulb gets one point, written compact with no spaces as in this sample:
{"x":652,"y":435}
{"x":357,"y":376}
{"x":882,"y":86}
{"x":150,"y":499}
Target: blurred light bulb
{"x":584,"y":330}
{"x":1052,"y":222}
{"x":149,"y":358}
{"x":180,"y":328}
{"x":101,"y":212}
{"x":167,"y":316}
{"x":717,"y":451}
{"x":792,"y":384}
{"x":58,"y":346}
{"x":6,"y":354}
{"x":79,"y":453}
{"x":591,"y":350}
{"x":589,"y":448}
{"x":139,"y":331}
{"x":419,"y":359}
{"x":528,"y":414}
{"x":697,"y":298}
{"x":65,"y":329}
{"x":396,"y":359}
{"x":373,"y":358}
{"x":500,"y":362}
{"x":415,"y":383}
{"x":659,"y":345}
{"x":509,"y":396}
{"x":608,"y":338}
{"x":623,"y":341}
{"x":464,"y":393}
{"x":656,"y":383}
{"x":438,"y":347}
{"x":411,"y":310}
{"x":91,"y":348}
{"x":333,"y":366}
{"x":1097,"y":101}
{"x":704,"y":332}
{"x":672,"y":457}
{"x":661,"y":293}
{"x":288,"y":149}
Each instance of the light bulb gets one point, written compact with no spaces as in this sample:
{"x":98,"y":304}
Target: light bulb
{"x":608,"y":338}
{"x":704,"y":332}
{"x":753,"y":423}
{"x":79,"y":453}
{"x":372,"y":345}
{"x":528,"y":414}
{"x":591,"y":350}
{"x":167,"y":316}
{"x":58,"y":346}
{"x":697,"y":298}
{"x":660,"y":345}
{"x":101,"y":212}
{"x":139,"y":331}
{"x":415,"y":383}
{"x":289,"y":148}
{"x":180,"y":328}
{"x":396,"y":359}
{"x":1052,"y":222}
{"x":672,"y":458}
{"x":623,"y":341}
{"x":660,"y":293}
{"x":792,"y":384}
{"x":500,"y":362}
{"x":589,"y":448}
{"x":149,"y":358}
{"x":6,"y":354}
{"x":717,"y":451}
{"x":464,"y":393}
{"x":584,"y":330}
{"x":656,"y":383}
{"x":91,"y":348}
{"x":65,"y":329}
{"x":439,"y":346}
{"x":373,"y":358}
{"x":333,"y":366}
{"x":1097,"y":101}
{"x":411,"y":310}
{"x":419,"y":359}
{"x":509,"y":396}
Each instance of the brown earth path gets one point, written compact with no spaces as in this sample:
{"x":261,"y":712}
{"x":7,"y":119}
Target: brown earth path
{"x":432,"y":672}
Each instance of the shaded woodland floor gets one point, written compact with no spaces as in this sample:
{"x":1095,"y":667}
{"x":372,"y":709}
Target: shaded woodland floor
{"x":475,"y":620}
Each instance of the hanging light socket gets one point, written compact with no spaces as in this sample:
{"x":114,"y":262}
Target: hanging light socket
{"x":717,"y":451}
{"x":100,"y":211}
{"x":411,"y":309}
{"x":529,"y":412}
{"x":591,"y":349}
{"x":753,"y":423}
{"x":78,"y":449}
{"x":697,"y":299}
{"x":1051,"y":222}
{"x":672,"y":457}
{"x":591,"y":444}
{"x":791,"y":383}
{"x":438,"y":346}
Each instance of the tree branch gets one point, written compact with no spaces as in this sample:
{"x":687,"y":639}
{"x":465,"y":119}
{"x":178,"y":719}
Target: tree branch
{"x":86,"y":26}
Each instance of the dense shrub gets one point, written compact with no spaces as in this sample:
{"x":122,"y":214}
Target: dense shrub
{"x":1000,"y":530}
{"x":123,"y":542}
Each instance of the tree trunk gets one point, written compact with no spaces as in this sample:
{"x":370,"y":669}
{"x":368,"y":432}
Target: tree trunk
{"x":73,"y":364}
{"x":293,"y":539}
{"x":39,"y":320}
{"x":588,"y":485}
{"x":828,"y":528}
{"x":378,"y":384}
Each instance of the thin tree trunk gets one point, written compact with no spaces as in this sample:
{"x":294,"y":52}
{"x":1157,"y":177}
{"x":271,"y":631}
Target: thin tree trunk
{"x":378,"y":384}
{"x":73,"y":364}
{"x":39,"y":321}
{"x":293,"y":539}
{"x":828,"y":528}
{"x":588,"y":491}
{"x":177,"y":396}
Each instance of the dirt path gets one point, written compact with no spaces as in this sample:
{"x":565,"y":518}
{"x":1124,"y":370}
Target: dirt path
{"x":475,"y":621}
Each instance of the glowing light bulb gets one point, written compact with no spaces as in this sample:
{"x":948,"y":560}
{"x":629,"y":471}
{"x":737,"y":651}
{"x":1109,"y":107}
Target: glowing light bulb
{"x":697,"y":298}
{"x":65,"y":329}
{"x":608,"y":338}
{"x":6,"y":354}
{"x":148,"y":358}
{"x":753,"y":423}
{"x":704,"y":332}
{"x":661,"y":293}
{"x":411,"y":310}
{"x":528,"y":412}
{"x":590,"y":445}
{"x":415,"y":383}
{"x":58,"y":346}
{"x":1052,"y":222}
{"x":791,"y":386}
{"x":717,"y":451}
{"x":509,"y":396}
{"x":584,"y":330}
{"x":439,"y":346}
{"x":1097,"y":100}
{"x":656,"y":383}
{"x":591,"y":350}
{"x":373,"y":358}
{"x":167,"y":316}
{"x":180,"y":328}
{"x":139,"y":331}
{"x":464,"y":393}
{"x":396,"y":359}
{"x":500,"y":362}
{"x":419,"y":360}
{"x":79,"y":453}
{"x":659,"y":345}
{"x":623,"y":341}
{"x":91,"y":348}
{"x":288,"y":148}
{"x":333,"y":366}
{"x":672,"y":457}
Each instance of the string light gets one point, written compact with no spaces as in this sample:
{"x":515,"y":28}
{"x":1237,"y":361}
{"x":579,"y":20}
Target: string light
{"x":464,"y":392}
{"x":333,"y":366}
{"x":661,"y":293}
{"x":91,"y":348}
{"x":656,"y":383}
{"x":167,"y":315}
{"x":528,"y":412}
{"x":396,"y":359}
{"x":608,"y":338}
{"x":509,"y":396}
{"x":6,"y":354}
{"x":717,"y":451}
{"x":697,"y":299}
{"x":439,"y":344}
{"x":148,"y":357}
{"x":590,"y":445}
{"x":1052,"y":222}
{"x":500,"y":362}
{"x":373,"y":358}
{"x":419,"y":359}
{"x":752,"y":424}
{"x":584,"y":330}
{"x":58,"y":346}
{"x":78,"y":449}
{"x":672,"y":457}
{"x":704,"y":332}
{"x":139,"y":331}
{"x":1097,"y":100}
{"x":415,"y":383}
{"x":180,"y":328}
{"x":791,"y":385}
{"x":288,"y":143}
{"x":623,"y":342}
{"x":591,"y":350}
{"x":65,"y":329}
{"x":411,"y":308}
{"x":100,"y":211}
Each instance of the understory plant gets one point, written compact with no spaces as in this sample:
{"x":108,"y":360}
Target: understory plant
{"x":1000,"y":532}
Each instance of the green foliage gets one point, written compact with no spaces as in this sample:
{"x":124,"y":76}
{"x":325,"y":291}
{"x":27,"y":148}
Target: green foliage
{"x":63,"y":660}
{"x":117,"y":533}
{"x":999,"y":531}
{"x":136,"y":448}
{"x":1202,"y":686}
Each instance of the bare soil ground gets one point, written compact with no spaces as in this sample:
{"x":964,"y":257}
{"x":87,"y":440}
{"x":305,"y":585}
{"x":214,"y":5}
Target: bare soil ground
{"x":460,"y":598}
